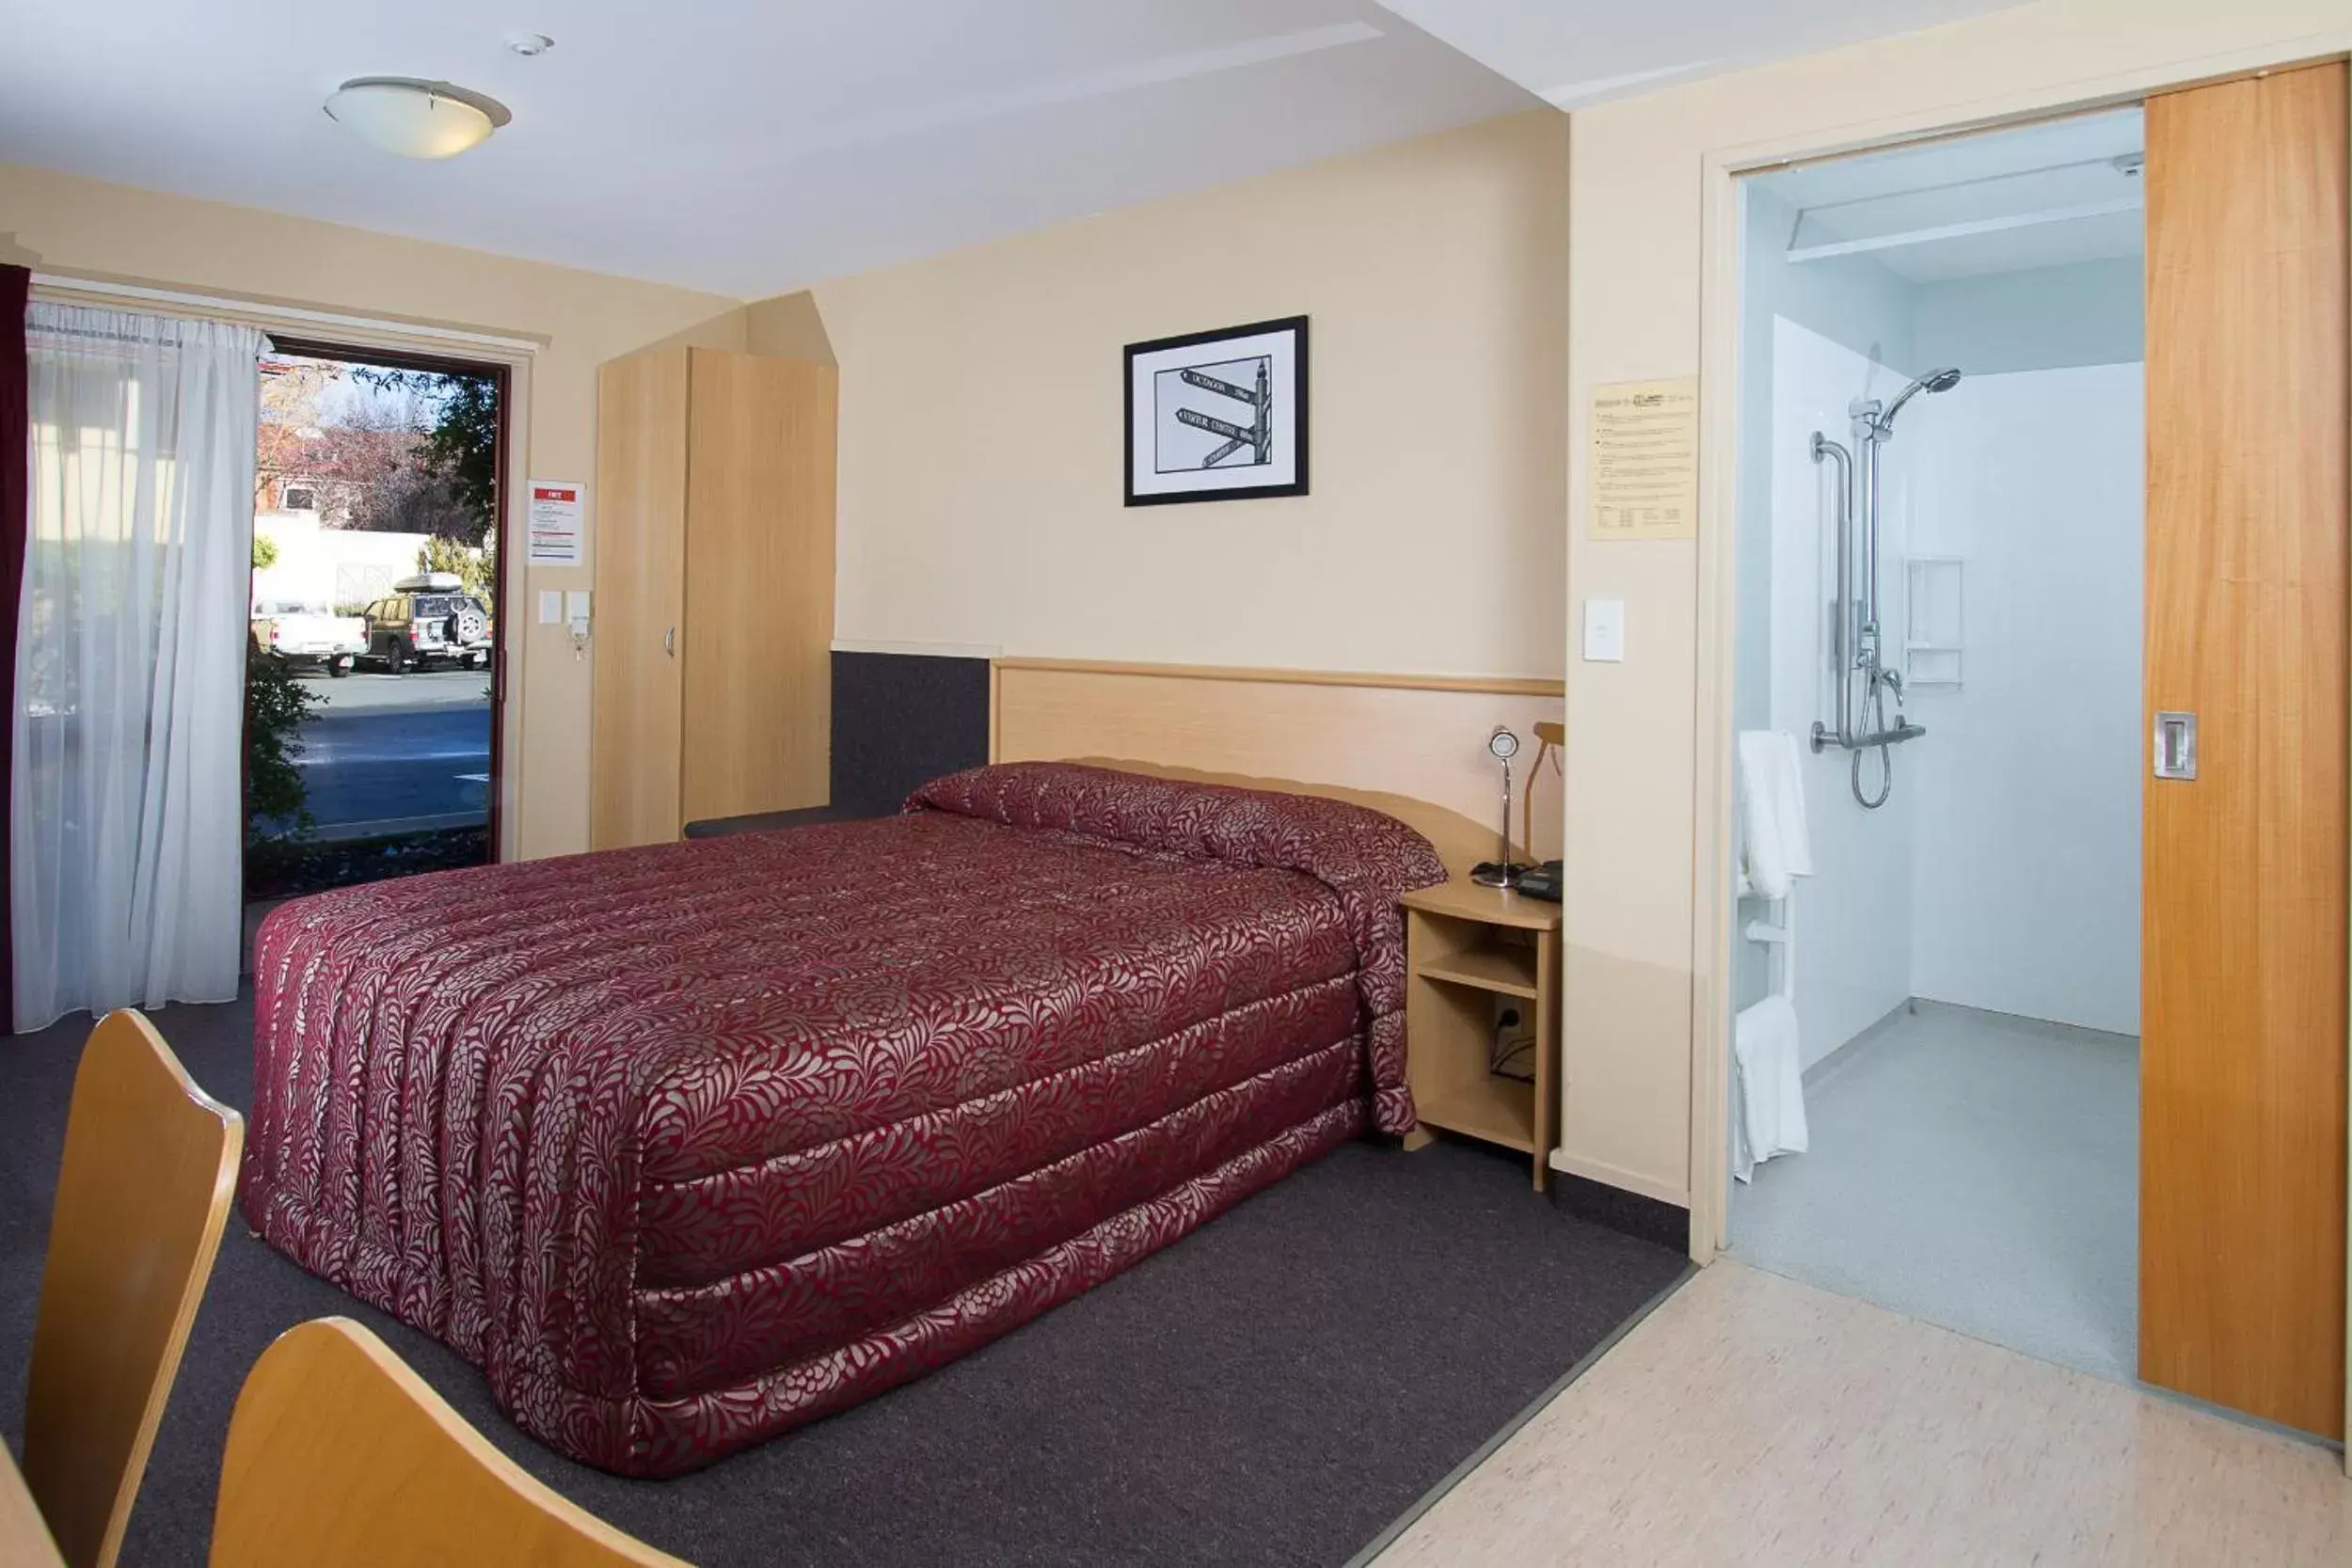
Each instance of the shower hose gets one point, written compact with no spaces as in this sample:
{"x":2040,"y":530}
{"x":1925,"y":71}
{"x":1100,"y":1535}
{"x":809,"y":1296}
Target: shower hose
{"x":1874,"y":715}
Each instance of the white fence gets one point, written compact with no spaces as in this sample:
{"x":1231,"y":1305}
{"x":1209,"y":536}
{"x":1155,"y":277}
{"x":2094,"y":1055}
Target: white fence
{"x":331,"y":568}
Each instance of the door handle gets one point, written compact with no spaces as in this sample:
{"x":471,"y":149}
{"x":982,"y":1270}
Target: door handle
{"x":669,"y":641}
{"x":2176,"y":745}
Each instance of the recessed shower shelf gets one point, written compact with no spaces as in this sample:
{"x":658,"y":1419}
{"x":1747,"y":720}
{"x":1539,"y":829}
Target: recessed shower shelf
{"x":1931,"y":622}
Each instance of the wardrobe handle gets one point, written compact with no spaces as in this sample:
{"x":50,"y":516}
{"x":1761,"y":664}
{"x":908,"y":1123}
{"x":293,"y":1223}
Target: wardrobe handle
{"x":669,"y":641}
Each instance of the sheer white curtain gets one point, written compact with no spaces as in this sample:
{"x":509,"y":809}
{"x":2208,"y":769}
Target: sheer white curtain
{"x":125,"y":812}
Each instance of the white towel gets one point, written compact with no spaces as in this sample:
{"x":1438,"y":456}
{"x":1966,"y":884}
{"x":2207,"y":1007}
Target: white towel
{"x":1774,"y":845}
{"x":1768,"y":1110}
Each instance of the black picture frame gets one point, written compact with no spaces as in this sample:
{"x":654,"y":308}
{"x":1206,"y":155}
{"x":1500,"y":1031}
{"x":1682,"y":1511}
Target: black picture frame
{"x":1292,"y":396}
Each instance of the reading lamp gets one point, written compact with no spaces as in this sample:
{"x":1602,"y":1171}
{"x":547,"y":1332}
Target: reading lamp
{"x":1502,"y":871}
{"x":1502,"y":746}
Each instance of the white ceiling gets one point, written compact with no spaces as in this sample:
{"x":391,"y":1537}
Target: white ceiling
{"x":2038,"y":196}
{"x":753,"y":146}
{"x":1578,"y":52}
{"x":741,"y":145}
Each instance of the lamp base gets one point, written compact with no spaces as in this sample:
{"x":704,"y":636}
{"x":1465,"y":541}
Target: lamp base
{"x":1488,"y":874}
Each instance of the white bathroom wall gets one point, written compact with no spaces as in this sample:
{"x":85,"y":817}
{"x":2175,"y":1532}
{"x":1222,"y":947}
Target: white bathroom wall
{"x":2042,"y":318}
{"x":1849,"y":300}
{"x":1855,"y":914}
{"x":2026,"y":787}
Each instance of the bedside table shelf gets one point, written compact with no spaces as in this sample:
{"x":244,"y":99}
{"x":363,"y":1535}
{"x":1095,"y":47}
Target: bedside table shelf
{"x":1471,"y":951}
{"x":1493,"y":1109}
{"x":1510,"y":971}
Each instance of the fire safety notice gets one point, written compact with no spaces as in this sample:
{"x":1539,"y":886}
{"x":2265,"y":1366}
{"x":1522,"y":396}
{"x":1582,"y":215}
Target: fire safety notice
{"x":555,"y":526}
{"x":1643,"y":474}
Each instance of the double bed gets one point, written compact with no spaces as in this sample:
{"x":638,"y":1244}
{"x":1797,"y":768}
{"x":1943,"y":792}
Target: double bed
{"x":687,"y":1144}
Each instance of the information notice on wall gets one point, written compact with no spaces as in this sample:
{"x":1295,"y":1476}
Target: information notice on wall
{"x":554,"y":522}
{"x":1643,"y":476}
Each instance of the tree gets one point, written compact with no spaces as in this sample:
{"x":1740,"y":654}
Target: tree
{"x":292,"y":390}
{"x":265,"y":553}
{"x":414,"y":498}
{"x":460,"y":446}
{"x":477,"y":567}
{"x":347,"y":463}
{"x":464,"y":442}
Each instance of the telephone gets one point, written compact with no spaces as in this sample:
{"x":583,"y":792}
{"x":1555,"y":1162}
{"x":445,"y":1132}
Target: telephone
{"x":1542,"y":881}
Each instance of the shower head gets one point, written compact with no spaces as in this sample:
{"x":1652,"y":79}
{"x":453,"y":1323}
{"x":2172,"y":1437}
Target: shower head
{"x":1934,"y":381}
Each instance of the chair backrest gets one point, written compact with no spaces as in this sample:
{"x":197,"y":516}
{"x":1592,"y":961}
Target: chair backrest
{"x":150,"y":1161}
{"x":339,"y":1453}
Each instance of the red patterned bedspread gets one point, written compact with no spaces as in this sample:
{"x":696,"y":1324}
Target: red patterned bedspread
{"x":687,"y":1144}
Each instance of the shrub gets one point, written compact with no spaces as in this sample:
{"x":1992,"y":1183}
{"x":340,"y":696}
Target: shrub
{"x":276,"y":704}
{"x":477,"y":566}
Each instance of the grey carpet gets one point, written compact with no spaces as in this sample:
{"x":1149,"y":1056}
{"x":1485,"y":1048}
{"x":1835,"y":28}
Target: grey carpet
{"x":1973,"y":1169}
{"x":1273,"y":1390}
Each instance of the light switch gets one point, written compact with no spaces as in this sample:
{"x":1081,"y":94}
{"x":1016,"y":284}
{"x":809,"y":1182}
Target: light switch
{"x":550,"y":607}
{"x":1604,"y":632}
{"x":576,"y":604}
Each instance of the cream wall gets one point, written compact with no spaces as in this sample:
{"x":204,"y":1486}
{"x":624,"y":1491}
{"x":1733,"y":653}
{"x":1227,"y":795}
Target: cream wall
{"x":56,"y":223}
{"x":1638,"y":741}
{"x":788,"y":327}
{"x":980,"y":424}
{"x":980,"y":476}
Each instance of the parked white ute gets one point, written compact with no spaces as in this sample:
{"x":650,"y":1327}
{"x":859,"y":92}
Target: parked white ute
{"x":305,"y":635}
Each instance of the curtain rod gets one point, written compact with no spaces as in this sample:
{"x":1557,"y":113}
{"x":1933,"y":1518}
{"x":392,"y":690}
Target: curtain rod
{"x":254,"y":309}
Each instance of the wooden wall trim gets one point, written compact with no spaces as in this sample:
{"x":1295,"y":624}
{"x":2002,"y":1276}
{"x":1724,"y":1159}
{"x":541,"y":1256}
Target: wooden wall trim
{"x":1508,"y":686}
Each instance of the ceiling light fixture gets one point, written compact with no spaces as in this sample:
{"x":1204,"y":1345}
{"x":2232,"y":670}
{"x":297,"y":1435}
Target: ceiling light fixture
{"x":416,"y":119}
{"x":527,"y":45}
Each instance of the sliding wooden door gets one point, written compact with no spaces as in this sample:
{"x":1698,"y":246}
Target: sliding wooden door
{"x":2242,"y":1128}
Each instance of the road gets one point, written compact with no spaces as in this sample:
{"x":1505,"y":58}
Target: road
{"x":362,"y":691}
{"x":392,"y":753}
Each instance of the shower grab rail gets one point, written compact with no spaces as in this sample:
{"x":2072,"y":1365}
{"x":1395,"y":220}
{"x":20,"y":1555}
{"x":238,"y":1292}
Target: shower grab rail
{"x":1853,"y":628}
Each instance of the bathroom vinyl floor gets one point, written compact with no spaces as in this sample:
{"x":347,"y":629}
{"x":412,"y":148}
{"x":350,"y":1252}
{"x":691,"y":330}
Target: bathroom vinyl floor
{"x":1751,"y":1422}
{"x":1973,"y":1169}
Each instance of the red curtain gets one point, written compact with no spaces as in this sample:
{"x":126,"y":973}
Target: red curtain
{"x":16,"y":285}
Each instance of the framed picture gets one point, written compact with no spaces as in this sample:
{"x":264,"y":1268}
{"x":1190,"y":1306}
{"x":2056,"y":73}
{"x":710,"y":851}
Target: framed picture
{"x":1218,"y":416}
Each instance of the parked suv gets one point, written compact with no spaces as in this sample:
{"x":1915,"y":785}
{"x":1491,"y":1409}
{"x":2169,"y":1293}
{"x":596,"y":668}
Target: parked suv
{"x":428,"y":619}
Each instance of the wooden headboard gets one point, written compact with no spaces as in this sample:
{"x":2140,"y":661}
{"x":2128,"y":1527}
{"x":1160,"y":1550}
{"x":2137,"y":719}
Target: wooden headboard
{"x":1414,"y":746}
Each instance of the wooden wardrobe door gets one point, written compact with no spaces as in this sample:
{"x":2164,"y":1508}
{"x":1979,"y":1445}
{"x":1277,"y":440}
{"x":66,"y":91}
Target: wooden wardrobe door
{"x":2241,"y":1093}
{"x":641,"y":553}
{"x":759,"y":637}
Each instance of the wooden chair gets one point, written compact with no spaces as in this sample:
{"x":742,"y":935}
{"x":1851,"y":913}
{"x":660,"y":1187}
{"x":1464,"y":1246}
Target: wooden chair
{"x":150,"y":1164}
{"x":338,"y":1453}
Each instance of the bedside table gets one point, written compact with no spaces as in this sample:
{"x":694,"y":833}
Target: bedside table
{"x":1466,"y":945}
